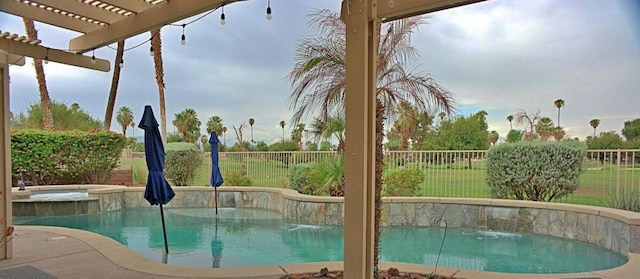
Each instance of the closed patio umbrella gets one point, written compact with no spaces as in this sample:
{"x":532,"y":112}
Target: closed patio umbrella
{"x":216,"y":177}
{"x":157,"y":191}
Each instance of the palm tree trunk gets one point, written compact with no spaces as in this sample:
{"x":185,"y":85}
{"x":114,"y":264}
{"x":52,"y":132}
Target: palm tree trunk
{"x":558,"y":117}
{"x":108,"y":115}
{"x":156,"y":44}
{"x":45,"y":100}
{"x":378,"y":181}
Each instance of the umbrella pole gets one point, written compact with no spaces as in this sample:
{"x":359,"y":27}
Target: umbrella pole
{"x":216,"y":191}
{"x":164,"y":230}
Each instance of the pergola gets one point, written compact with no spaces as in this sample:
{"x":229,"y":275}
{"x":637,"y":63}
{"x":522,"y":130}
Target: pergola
{"x":103,"y":22}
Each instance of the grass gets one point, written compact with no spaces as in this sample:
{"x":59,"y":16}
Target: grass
{"x":597,"y":180}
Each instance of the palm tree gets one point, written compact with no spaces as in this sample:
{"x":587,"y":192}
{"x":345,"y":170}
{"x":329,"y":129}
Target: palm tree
{"x":282,"y":124}
{"x":594,"y":123}
{"x":407,"y":123}
{"x":493,"y":137}
{"x":156,"y":45}
{"x":224,"y":136}
{"x":297,"y":134}
{"x":332,"y":127}
{"x":545,"y":128}
{"x":115,"y":79}
{"x":124,"y":118}
{"x":318,"y":80}
{"x":558,"y":133}
{"x":214,"y":124}
{"x":188,"y":125}
{"x":45,"y":100}
{"x":559,"y":103}
{"x":251,"y":122}
{"x":510,"y":118}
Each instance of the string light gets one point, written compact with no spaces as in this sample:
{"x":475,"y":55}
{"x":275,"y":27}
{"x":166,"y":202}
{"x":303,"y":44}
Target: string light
{"x":151,"y":51}
{"x":269,"y":10}
{"x":223,"y":20}
{"x":121,"y":63}
{"x":183,"y":39}
{"x":93,"y":57}
{"x":46,"y":57}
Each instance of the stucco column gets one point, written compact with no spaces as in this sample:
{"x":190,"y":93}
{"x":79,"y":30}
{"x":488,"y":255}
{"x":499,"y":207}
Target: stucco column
{"x":5,"y":160}
{"x":360,"y":105}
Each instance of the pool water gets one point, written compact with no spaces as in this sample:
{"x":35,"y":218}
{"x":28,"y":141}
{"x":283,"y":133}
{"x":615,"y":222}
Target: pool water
{"x":253,"y":237}
{"x":57,"y":196}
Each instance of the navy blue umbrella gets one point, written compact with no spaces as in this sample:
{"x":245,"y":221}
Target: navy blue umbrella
{"x":158,"y":191}
{"x":216,"y":177}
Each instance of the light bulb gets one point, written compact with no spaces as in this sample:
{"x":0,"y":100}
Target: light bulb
{"x":223,"y":21}
{"x":269,"y":17}
{"x":46,"y":59}
{"x":150,"y":51}
{"x":93,"y":59}
{"x":121,"y":63}
{"x":183,"y":40}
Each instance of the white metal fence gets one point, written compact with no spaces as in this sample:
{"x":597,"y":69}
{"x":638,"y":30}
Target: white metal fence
{"x":606,"y":173}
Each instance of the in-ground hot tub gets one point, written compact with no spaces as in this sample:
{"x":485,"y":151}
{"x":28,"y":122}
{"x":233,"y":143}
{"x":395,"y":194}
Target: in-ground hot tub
{"x":55,"y":200}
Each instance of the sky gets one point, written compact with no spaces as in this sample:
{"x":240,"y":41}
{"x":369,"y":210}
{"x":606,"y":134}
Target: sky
{"x":501,"y":56}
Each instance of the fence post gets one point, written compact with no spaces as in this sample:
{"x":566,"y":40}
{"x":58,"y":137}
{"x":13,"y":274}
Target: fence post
{"x":618,"y":176}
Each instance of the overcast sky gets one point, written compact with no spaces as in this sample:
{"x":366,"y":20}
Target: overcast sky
{"x":501,"y":56}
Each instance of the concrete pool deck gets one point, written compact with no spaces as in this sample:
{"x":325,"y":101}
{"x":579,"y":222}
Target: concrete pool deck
{"x":71,"y":253}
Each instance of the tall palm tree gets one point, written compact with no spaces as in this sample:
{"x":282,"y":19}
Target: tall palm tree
{"x":559,"y":103}
{"x":214,"y":124}
{"x":318,"y":80}
{"x":407,"y":123}
{"x":115,"y":79}
{"x":156,"y":45}
{"x":251,"y":122}
{"x":510,"y":118}
{"x":332,"y":127}
{"x":594,"y":123}
{"x":224,"y":135}
{"x":45,"y":100}
{"x":282,"y":124}
{"x":124,"y":118}
{"x":297,"y":134}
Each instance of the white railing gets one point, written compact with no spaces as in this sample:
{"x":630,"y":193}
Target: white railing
{"x":606,"y":173}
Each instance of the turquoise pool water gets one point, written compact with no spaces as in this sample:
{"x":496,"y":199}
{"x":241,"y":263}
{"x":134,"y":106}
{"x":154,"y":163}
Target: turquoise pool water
{"x":251,"y":237}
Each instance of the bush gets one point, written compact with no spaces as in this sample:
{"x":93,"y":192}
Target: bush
{"x":236,"y":178}
{"x":629,"y":200}
{"x":402,"y":182}
{"x":536,"y":171}
{"x":326,"y":175}
{"x":299,"y":179}
{"x":42,"y":157}
{"x":182,"y":161}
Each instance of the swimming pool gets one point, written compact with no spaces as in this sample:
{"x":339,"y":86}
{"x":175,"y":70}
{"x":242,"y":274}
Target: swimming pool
{"x":251,"y":237}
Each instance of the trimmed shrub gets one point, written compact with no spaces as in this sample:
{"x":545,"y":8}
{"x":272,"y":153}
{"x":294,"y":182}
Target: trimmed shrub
{"x":536,"y":171}
{"x":402,"y":182}
{"x":236,"y":178}
{"x":299,"y":178}
{"x":326,"y":175}
{"x":42,"y":157}
{"x":182,"y":161}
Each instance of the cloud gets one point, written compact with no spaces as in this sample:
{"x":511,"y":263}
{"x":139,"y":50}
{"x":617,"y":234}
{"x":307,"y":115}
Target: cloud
{"x":500,"y":56}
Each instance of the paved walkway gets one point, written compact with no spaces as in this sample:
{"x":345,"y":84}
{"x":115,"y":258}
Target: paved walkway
{"x":53,"y":252}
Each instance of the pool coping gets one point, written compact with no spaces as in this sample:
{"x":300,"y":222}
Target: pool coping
{"x":125,"y":257}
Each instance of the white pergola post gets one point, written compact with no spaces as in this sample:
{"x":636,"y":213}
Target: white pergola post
{"x":360,"y":112}
{"x":5,"y":160}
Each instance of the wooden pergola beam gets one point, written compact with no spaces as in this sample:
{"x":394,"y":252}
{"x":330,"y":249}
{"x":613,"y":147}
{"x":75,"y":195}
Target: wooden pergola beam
{"x":53,"y":55}
{"x":26,"y":10}
{"x":396,"y":9}
{"x":144,"y":21}
{"x":79,"y":8}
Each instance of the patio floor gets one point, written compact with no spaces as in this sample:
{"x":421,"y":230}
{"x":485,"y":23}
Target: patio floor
{"x":53,"y":252}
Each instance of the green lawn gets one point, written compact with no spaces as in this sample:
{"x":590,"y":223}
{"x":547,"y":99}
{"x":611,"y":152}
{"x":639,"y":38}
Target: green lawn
{"x":597,"y":180}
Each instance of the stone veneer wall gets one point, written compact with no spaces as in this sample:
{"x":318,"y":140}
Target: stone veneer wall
{"x":605,"y":227}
